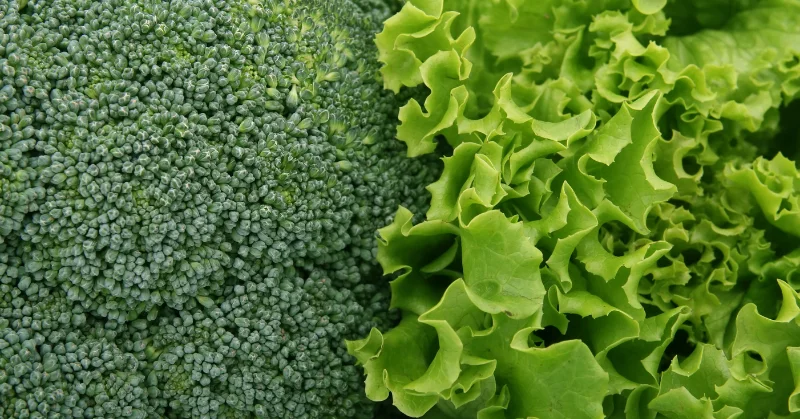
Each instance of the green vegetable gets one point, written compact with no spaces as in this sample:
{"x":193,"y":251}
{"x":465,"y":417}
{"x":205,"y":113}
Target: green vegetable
{"x":189,"y":192}
{"x":615,"y":230}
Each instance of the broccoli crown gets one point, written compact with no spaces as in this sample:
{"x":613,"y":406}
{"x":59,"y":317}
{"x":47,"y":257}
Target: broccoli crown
{"x":188,"y":197}
{"x":54,"y":364}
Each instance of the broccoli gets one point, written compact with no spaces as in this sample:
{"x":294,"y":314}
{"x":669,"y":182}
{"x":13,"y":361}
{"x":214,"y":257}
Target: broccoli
{"x":189,"y":194}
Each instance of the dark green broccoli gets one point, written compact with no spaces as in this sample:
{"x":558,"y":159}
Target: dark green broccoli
{"x":189,"y":192}
{"x":53,"y":364}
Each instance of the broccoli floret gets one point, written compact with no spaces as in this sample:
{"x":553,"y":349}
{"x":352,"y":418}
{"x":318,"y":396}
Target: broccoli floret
{"x":55,"y":361}
{"x":198,"y":181}
{"x":270,"y":348}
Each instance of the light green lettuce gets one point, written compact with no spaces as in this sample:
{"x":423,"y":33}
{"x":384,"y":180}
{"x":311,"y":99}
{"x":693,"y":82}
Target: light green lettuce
{"x":615,"y":231}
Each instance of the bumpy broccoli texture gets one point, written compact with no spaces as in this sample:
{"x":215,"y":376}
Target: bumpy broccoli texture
{"x":189,"y":193}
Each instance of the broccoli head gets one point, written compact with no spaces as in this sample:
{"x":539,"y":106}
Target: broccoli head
{"x":191,"y":189}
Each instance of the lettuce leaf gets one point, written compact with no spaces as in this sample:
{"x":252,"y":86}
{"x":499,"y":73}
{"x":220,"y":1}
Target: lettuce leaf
{"x":615,"y":231}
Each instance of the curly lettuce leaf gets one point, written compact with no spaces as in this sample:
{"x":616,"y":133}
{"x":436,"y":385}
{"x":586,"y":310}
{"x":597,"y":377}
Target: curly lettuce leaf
{"x":615,"y":230}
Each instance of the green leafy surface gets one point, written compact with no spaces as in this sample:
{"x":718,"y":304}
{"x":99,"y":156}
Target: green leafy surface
{"x":615,"y":230}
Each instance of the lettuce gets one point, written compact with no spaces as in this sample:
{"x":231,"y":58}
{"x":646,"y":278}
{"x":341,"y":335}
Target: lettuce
{"x":616,"y":228}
